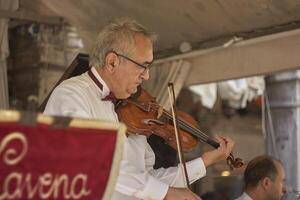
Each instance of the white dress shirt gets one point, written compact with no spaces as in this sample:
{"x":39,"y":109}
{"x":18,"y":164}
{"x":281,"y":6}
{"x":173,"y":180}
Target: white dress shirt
{"x":244,"y":196}
{"x":81,"y":97}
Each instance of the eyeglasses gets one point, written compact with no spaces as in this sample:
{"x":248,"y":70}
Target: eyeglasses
{"x":146,"y":68}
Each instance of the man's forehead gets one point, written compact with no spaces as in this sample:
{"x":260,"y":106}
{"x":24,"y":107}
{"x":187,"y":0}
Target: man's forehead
{"x":280,"y":169}
{"x":144,"y":47}
{"x":142,"y":39}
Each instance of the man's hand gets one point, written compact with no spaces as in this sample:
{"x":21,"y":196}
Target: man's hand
{"x":181,"y":194}
{"x":221,"y":153}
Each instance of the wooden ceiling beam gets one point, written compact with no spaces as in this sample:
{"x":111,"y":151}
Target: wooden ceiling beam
{"x":257,"y":56}
{"x":28,"y":16}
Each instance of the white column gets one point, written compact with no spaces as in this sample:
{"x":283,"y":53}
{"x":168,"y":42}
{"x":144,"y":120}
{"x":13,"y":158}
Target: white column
{"x":283,"y":124}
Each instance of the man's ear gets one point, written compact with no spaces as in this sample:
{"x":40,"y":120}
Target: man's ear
{"x":111,"y":61}
{"x":266,"y":182}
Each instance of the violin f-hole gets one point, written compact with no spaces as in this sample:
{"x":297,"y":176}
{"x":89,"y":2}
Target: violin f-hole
{"x":152,"y":122}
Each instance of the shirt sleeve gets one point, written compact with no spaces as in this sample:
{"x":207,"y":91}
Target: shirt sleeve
{"x":145,"y":182}
{"x":134,"y":179}
{"x":174,"y":176}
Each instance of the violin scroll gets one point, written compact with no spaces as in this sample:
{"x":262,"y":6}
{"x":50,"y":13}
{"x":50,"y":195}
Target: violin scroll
{"x":234,"y":162}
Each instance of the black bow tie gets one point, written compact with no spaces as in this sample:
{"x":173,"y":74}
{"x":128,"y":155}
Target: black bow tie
{"x":111,"y":97}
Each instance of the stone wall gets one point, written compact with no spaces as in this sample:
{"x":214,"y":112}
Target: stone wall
{"x":39,"y":55}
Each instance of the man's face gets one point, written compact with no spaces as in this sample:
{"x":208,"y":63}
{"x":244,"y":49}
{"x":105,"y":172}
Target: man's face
{"x":129,"y":75}
{"x":277,"y":187}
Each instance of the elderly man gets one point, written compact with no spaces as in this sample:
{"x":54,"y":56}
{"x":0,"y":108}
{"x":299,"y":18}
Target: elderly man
{"x":264,"y":179}
{"x":120,"y":62}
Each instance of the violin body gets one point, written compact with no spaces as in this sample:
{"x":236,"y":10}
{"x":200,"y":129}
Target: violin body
{"x":144,"y":116}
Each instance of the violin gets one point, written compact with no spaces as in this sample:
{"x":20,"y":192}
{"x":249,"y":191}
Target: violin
{"x":144,"y":116}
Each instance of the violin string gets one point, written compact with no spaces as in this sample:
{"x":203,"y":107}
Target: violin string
{"x":201,"y":135}
{"x":188,"y":127}
{"x":232,"y":161}
{"x":195,"y":131}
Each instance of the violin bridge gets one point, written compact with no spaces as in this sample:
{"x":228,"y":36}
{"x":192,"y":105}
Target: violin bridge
{"x":160,"y":112}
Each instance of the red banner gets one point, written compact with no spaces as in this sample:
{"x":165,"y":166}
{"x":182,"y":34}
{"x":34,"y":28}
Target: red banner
{"x":43,"y":162}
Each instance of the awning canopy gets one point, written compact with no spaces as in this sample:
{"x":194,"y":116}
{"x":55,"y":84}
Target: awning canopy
{"x":210,"y":27}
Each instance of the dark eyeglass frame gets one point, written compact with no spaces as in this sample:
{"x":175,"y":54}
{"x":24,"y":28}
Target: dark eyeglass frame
{"x":146,"y":68}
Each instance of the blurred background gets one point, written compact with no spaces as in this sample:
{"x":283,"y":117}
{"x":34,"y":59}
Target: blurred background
{"x":234,"y":65}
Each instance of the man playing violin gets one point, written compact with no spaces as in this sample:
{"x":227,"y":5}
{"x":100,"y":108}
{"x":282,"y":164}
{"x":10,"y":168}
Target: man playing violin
{"x":120,"y":62}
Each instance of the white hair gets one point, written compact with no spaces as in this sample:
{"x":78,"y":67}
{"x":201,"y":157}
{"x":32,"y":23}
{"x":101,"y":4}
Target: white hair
{"x":117,"y":36}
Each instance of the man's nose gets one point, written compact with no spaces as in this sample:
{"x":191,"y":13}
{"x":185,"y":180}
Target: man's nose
{"x":284,"y":189}
{"x":145,"y":75}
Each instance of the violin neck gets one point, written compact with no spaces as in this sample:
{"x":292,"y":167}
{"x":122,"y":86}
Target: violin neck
{"x":194,"y":131}
{"x":213,"y":143}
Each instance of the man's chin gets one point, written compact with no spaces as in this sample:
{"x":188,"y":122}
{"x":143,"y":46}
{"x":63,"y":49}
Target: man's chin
{"x":134,"y":90}
{"x":127,"y":94}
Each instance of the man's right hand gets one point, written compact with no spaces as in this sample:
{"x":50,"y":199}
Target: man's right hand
{"x":181,"y":194}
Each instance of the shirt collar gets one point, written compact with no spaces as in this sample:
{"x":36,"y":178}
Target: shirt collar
{"x":105,"y":90}
{"x":246,"y":196}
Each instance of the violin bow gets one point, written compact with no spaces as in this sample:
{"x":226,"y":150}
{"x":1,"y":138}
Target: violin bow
{"x":178,"y":138}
